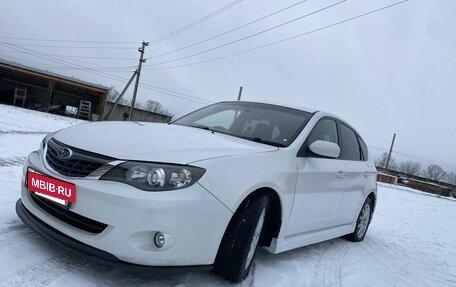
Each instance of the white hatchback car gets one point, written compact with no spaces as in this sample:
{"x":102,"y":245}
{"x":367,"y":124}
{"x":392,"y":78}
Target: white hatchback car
{"x":203,"y":191}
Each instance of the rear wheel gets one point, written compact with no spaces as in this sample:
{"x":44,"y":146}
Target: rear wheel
{"x":362,"y":222}
{"x":237,"y":250}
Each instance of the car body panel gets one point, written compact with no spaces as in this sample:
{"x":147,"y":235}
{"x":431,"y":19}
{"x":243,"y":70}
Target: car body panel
{"x":137,"y":215}
{"x":319,"y":192}
{"x":275,"y":170}
{"x":360,"y":181}
{"x":155,"y":142}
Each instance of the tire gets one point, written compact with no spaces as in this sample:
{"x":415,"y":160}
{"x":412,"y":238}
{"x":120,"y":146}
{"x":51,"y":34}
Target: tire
{"x":362,"y":222}
{"x":238,"y":247}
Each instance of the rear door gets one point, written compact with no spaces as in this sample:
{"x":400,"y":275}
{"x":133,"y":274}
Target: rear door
{"x":358,"y":173}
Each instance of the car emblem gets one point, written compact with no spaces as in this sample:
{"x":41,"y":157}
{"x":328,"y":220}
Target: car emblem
{"x":65,"y":153}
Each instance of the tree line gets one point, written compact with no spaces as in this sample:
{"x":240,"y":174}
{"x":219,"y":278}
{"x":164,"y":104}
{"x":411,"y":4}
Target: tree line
{"x":151,"y":106}
{"x":432,"y":172}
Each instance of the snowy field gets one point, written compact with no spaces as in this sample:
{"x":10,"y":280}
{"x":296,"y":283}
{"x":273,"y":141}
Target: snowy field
{"x":411,"y":241}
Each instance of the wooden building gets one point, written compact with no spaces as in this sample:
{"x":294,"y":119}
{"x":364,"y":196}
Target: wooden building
{"x":49,"y":92}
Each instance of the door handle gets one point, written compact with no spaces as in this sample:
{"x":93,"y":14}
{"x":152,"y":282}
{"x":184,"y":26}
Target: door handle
{"x":366,"y":174}
{"x":340,"y":174}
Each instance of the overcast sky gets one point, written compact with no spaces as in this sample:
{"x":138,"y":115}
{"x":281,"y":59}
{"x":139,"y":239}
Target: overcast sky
{"x":389,"y":72}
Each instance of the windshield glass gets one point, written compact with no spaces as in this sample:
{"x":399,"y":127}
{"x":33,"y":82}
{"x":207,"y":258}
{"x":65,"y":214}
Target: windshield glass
{"x":264,"y":123}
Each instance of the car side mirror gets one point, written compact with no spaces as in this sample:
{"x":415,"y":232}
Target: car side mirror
{"x":325,"y":149}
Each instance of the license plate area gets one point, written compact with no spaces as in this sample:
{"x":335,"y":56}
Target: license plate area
{"x":55,"y":190}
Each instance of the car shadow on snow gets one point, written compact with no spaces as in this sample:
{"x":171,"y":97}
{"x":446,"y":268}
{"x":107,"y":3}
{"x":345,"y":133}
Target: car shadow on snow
{"x":306,"y":266}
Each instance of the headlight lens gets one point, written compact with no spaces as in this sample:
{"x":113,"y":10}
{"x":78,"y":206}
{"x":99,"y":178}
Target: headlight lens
{"x":154,"y":176}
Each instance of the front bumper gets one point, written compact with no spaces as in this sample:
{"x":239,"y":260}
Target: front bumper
{"x":96,"y":254}
{"x":192,"y":219}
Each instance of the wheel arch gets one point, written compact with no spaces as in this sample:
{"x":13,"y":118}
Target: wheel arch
{"x":373,"y":198}
{"x":274,"y":217}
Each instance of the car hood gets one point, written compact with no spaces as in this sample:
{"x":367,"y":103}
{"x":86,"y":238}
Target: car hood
{"x":155,"y":142}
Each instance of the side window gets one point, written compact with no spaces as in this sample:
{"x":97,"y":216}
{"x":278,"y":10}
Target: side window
{"x":350,"y":149}
{"x":363,"y":148}
{"x":325,"y":130}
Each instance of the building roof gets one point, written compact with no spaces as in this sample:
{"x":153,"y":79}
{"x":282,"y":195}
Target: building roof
{"x":19,"y":66}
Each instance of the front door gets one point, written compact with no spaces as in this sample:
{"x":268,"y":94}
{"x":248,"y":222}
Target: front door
{"x":320,"y":184}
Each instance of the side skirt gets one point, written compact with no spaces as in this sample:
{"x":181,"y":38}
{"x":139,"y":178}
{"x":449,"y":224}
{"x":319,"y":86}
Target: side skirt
{"x":290,"y":242}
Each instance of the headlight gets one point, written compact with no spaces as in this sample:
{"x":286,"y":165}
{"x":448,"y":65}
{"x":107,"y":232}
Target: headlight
{"x":154,"y":176}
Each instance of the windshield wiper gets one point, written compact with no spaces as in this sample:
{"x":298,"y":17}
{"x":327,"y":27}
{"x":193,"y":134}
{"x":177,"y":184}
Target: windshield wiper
{"x":200,"y":127}
{"x":254,"y":139}
{"x":263,"y":141}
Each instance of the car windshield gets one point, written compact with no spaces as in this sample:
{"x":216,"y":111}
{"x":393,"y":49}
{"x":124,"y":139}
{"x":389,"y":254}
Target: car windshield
{"x":264,"y":123}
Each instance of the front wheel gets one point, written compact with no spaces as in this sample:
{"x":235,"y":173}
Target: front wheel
{"x":362,"y":223}
{"x":237,"y":250}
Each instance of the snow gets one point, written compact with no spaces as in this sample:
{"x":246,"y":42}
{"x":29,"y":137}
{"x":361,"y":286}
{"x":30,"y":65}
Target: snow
{"x":411,"y":241}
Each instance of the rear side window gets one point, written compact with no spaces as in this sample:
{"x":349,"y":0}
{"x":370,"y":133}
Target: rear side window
{"x":363,"y":148}
{"x":350,"y":149}
{"x":325,"y":130}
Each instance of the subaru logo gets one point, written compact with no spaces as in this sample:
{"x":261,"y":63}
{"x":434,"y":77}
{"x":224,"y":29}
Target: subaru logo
{"x":64,"y":153}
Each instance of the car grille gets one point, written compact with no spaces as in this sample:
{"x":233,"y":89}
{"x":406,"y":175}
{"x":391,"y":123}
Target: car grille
{"x":80,"y":164}
{"x":69,"y":217}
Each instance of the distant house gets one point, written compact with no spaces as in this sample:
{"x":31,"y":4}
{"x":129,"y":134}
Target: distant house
{"x":45,"y":91}
{"x":121,"y":112}
{"x":49,"y":92}
{"x":416,"y":182}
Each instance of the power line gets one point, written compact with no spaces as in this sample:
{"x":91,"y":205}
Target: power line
{"x":163,"y":91}
{"x":282,"y":40}
{"x":21,"y":60}
{"x":417,"y":157}
{"x":103,"y":74}
{"x":194,"y":23}
{"x":249,"y":36}
{"x":67,"y":41}
{"x":156,"y":40}
{"x":98,"y":58}
{"x":46,"y":66}
{"x":50,"y":58}
{"x":95,"y":68}
{"x":426,"y":159}
{"x":83,"y":47}
{"x":229,"y":31}
{"x":75,"y":56}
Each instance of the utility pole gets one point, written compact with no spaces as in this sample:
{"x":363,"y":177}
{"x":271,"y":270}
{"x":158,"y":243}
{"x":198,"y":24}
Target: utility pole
{"x":390,"y":151}
{"x":240,"y":94}
{"x":138,"y":73}
{"x":120,"y":96}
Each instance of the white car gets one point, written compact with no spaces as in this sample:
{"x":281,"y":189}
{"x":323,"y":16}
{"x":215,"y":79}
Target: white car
{"x":203,"y":191}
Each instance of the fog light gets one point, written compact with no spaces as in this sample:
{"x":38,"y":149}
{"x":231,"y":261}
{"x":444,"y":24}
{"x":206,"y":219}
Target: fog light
{"x":159,"y":239}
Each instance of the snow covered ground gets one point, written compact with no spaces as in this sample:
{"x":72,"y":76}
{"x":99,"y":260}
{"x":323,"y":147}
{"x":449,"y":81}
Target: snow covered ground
{"x":411,"y":241}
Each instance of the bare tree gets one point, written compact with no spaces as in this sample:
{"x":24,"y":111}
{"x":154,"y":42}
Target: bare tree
{"x":381,"y":161}
{"x":434,"y":172}
{"x":151,"y":106}
{"x":156,"y":107}
{"x":112,"y":96}
{"x":409,"y":167}
{"x":451,"y":178}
